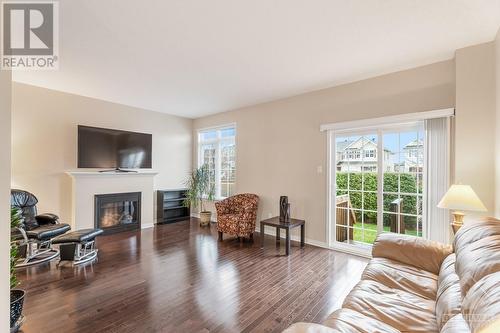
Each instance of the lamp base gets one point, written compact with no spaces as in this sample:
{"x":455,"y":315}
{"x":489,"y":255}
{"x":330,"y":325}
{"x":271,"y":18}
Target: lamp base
{"x":458,"y":221}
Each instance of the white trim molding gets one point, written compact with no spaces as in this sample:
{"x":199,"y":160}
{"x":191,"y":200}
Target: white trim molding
{"x":217,"y":144}
{"x":295,"y":238}
{"x":398,"y":122}
{"x":364,"y":124}
{"x":213,"y":218}
{"x":214,"y":127}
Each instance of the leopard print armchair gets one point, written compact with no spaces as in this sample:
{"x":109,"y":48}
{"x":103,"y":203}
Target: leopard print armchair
{"x":236,"y":215}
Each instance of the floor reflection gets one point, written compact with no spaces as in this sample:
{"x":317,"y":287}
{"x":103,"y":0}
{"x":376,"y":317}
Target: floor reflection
{"x":179,"y":278}
{"x":218,"y":280}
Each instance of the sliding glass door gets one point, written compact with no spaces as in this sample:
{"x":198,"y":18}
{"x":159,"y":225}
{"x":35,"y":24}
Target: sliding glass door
{"x":356,"y":188}
{"x":403,"y":181}
{"x":377,"y":184}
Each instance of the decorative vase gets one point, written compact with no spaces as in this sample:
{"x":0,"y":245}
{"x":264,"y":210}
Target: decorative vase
{"x":16,"y":308}
{"x":286,"y":218}
{"x":283,"y":207}
{"x":205,"y":218}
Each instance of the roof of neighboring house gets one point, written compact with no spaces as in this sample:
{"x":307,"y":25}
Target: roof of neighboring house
{"x":343,"y":144}
{"x":360,"y":143}
{"x":414,"y":143}
{"x":356,"y":144}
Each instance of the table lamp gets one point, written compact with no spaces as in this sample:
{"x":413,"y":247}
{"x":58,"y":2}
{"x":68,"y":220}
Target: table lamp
{"x":461,"y":198}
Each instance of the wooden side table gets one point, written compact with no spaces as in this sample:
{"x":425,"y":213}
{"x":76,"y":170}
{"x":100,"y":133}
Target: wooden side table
{"x":275,"y":222}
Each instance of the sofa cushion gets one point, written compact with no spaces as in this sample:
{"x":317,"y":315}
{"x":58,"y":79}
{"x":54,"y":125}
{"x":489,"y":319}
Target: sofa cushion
{"x":394,"y":274}
{"x":347,"y":320}
{"x":411,"y":250}
{"x":309,"y":328}
{"x":449,"y":296}
{"x":481,"y":305}
{"x":477,"y":259}
{"x":473,"y":231}
{"x":455,"y":324}
{"x":400,"y":309}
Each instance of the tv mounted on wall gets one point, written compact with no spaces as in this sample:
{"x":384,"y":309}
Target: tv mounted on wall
{"x":106,"y":148}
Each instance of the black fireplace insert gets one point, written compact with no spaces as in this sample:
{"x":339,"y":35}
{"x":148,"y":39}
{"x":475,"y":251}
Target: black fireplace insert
{"x":117,"y":212}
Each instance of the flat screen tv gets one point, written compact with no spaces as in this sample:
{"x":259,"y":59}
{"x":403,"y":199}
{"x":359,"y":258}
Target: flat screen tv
{"x":113,"y":149}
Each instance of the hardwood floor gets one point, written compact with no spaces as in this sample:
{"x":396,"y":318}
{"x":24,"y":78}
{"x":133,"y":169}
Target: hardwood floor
{"x":179,"y":278}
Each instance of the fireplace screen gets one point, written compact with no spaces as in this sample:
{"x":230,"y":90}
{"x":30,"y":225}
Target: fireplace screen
{"x":118,"y":212}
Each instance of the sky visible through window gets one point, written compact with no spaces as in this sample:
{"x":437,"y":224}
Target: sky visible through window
{"x":394,"y":142}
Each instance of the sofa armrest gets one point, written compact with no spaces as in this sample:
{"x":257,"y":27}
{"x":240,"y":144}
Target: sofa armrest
{"x":411,"y":250}
{"x":47,"y":219}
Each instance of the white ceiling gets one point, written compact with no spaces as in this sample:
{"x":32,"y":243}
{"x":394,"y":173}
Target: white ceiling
{"x":197,"y":57}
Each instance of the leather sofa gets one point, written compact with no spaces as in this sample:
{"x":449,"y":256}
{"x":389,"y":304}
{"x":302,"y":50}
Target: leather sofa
{"x":415,"y":285}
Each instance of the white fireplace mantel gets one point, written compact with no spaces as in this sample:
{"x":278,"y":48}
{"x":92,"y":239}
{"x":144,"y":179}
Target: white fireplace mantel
{"x":87,"y":184}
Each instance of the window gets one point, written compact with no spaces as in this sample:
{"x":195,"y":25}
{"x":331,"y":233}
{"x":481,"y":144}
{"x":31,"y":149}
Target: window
{"x":368,"y":201}
{"x":370,"y":153}
{"x":403,"y":186}
{"x":217,"y":149}
{"x":356,"y":199}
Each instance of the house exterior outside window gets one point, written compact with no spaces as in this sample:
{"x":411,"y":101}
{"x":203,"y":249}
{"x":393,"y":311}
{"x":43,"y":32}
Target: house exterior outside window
{"x":217,"y":149}
{"x":349,"y":155}
{"x":414,"y":153}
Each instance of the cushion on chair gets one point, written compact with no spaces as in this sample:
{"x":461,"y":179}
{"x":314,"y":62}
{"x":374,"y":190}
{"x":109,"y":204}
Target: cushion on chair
{"x":79,"y":236}
{"x":47,"y":231}
{"x":46,"y":218}
{"x":228,"y":223}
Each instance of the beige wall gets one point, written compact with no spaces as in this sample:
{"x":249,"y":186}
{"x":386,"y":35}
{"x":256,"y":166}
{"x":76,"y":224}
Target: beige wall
{"x":475,"y":122}
{"x":497,"y":149}
{"x":5,"y":105}
{"x":44,"y":142}
{"x":280,"y":147}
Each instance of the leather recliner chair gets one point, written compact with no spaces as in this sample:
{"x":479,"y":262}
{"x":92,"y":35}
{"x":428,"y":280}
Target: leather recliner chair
{"x":36,"y":231}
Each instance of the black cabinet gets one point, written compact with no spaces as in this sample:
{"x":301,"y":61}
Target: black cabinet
{"x":170,"y":206}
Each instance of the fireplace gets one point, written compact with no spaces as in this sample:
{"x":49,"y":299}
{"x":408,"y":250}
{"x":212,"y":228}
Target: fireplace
{"x":117,"y":212}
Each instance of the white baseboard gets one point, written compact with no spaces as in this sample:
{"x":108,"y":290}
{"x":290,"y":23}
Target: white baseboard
{"x":295,"y":238}
{"x":271,"y":231}
{"x":213,"y":219}
{"x":145,"y":226}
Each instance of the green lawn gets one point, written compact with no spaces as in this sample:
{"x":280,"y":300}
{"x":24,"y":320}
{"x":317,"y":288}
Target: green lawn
{"x":370,"y":233}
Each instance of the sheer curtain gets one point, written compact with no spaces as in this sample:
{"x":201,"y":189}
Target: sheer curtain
{"x":437,"y":163}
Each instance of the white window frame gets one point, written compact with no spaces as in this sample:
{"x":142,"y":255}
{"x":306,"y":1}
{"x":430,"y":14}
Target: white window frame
{"x":217,"y":141}
{"x":360,"y":126}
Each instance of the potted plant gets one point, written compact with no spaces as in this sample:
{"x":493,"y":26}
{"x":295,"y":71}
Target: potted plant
{"x":16,"y":295}
{"x":199,"y":189}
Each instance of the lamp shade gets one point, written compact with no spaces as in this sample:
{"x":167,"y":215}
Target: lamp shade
{"x":462,"y":197}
